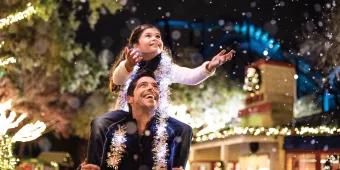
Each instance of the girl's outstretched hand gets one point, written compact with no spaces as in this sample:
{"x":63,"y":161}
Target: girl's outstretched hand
{"x":220,"y":59}
{"x":132,"y":57}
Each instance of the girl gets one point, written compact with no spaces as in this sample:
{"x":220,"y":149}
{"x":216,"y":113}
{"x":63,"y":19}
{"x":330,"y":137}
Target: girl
{"x":145,"y":48}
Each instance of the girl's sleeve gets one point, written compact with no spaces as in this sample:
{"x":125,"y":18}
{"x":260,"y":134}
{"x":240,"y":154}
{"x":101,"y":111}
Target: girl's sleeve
{"x":190,"y":76}
{"x":120,"y":75}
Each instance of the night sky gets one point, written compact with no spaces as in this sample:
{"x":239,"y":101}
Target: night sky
{"x":286,"y":21}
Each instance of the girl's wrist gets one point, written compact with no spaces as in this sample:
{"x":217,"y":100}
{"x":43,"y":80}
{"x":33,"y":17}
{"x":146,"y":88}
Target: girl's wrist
{"x":128,"y":66}
{"x":208,"y":67}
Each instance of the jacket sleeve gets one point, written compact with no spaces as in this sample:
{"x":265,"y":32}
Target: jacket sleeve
{"x":99,"y":128}
{"x":96,"y":141}
{"x":188,"y":76}
{"x":120,"y":75}
{"x":183,"y":147}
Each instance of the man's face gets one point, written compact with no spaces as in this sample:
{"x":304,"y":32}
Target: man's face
{"x":145,"y":94}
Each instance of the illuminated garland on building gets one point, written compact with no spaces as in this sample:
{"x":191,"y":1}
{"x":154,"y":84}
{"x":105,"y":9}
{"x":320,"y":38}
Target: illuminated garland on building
{"x":257,"y":131}
{"x":29,"y":11}
{"x":7,"y":61}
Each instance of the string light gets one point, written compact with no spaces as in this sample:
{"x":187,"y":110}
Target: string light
{"x":7,"y":61}
{"x":30,"y":10}
{"x":252,"y":80}
{"x":271,"y":131}
{"x":2,"y":43}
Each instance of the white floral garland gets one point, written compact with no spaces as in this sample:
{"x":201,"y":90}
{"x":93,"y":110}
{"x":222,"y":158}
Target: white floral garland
{"x":117,"y":147}
{"x":160,"y":146}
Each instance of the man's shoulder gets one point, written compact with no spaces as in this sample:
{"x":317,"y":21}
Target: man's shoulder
{"x":111,"y":116}
{"x":114,"y":114}
{"x":112,"y":119}
{"x":178,"y":125}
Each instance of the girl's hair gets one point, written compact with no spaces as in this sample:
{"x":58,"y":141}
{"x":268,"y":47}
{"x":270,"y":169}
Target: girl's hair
{"x":133,"y":39}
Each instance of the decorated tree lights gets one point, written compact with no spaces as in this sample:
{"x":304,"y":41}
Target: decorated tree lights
{"x":271,"y":93}
{"x":10,"y":19}
{"x":40,"y":38}
{"x":28,"y":132}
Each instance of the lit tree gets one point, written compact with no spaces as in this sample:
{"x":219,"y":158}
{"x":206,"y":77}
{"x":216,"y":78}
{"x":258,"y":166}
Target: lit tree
{"x":50,"y":73}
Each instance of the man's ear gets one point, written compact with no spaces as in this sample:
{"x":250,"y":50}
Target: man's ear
{"x":129,"y":99}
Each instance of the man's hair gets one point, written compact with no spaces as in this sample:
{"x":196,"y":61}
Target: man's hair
{"x":134,"y":80}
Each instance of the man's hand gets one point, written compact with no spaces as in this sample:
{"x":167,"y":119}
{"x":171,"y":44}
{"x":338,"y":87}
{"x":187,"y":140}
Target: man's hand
{"x":85,"y":166}
{"x":220,"y":59}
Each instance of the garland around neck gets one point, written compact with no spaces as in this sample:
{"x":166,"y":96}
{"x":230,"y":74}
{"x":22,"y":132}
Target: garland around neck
{"x":160,"y":146}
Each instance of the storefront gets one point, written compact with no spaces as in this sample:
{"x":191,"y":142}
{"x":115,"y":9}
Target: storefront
{"x":312,"y":153}
{"x":238,"y":153}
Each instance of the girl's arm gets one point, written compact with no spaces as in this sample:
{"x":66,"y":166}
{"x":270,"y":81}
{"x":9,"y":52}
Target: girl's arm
{"x":123,"y":71}
{"x":188,"y":76}
{"x":120,"y":75}
{"x":195,"y":76}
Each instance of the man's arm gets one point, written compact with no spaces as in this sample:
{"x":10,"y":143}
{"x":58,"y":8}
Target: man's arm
{"x":183,"y":147}
{"x":99,"y":127}
{"x":97,"y":138}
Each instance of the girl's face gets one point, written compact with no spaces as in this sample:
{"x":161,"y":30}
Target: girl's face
{"x":149,"y":43}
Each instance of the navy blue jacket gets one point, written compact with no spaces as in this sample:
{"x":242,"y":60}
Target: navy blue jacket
{"x":99,"y":127}
{"x":139,"y":147}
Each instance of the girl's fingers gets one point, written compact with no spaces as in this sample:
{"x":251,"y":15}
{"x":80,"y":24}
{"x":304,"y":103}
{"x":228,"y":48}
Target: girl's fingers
{"x":230,"y":55}
{"x":129,"y":53}
{"x":227,"y":57}
{"x":220,"y":62}
{"x":222,"y":52}
{"x":134,"y":54}
{"x":135,"y":57}
{"x":139,"y":59}
{"x":126,"y":52}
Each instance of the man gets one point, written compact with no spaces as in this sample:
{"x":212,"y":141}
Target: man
{"x":136,"y":141}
